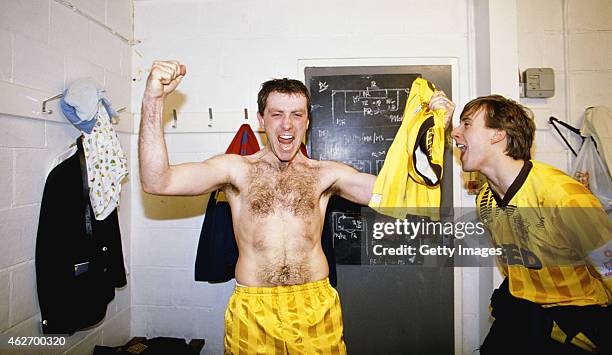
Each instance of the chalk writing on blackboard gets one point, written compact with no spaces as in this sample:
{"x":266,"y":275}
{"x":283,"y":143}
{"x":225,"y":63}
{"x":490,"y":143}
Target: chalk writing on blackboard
{"x":367,"y":102}
{"x":347,"y":226}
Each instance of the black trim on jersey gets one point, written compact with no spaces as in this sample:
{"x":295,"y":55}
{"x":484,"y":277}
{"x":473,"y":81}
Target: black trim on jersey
{"x":514,"y":187}
{"x":421,"y":142}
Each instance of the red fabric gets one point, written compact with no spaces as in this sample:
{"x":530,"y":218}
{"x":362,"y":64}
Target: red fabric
{"x":244,"y":142}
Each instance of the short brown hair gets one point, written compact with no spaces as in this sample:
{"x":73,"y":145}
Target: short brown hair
{"x":283,"y":86}
{"x":509,"y":116}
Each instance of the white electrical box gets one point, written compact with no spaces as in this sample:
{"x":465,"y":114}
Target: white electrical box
{"x":539,"y":82}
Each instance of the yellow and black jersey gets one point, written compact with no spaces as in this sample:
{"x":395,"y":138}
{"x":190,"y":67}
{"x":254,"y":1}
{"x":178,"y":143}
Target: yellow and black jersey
{"x":556,"y":238}
{"x":409,"y":182}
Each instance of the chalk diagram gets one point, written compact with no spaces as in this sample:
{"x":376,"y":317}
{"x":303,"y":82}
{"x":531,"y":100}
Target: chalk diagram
{"x":347,"y":226}
{"x":371,"y":101}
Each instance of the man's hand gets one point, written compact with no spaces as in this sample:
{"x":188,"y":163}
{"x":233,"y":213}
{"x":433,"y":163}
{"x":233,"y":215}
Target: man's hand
{"x":164,"y":78}
{"x":440,"y":101}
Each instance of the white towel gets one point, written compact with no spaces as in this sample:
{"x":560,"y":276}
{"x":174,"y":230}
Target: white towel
{"x":106,"y":165}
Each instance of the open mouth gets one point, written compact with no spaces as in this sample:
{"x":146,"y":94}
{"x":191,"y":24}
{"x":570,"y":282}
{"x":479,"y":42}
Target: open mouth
{"x":285,"y":141}
{"x":462,"y":147}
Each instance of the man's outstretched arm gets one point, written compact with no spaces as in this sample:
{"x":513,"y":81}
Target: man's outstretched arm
{"x":352,"y":184}
{"x":156,"y":174}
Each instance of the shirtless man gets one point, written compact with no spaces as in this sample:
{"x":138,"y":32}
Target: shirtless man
{"x":283,"y":301}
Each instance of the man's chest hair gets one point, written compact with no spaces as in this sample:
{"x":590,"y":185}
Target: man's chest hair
{"x":293,"y":188}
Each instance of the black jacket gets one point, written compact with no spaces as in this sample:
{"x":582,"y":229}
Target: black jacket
{"x":76,"y":271}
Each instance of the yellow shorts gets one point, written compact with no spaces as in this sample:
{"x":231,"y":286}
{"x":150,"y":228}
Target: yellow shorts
{"x":299,"y":319}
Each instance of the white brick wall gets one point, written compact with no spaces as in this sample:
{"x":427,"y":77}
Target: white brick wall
{"x":5,"y":297}
{"x":6,"y":59}
{"x":6,"y":179}
{"x":29,"y":18}
{"x":18,"y":229}
{"x":30,"y":70}
{"x":13,"y":133}
{"x":24,"y":303}
{"x":587,"y":75}
{"x":541,"y":42}
{"x":68,"y":30}
{"x":589,"y":15}
{"x":46,"y":46}
{"x":166,"y":300}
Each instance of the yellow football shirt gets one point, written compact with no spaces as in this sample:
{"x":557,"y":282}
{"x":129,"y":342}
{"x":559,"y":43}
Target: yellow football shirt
{"x":409,"y":182}
{"x":556,"y":238}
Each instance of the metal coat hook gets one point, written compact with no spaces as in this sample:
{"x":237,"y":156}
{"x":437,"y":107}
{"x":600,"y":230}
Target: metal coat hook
{"x":246,"y":114}
{"x":174,"y":118}
{"x":44,"y":103}
{"x":60,"y":95}
{"x":115,"y":120}
{"x":210,"y":117}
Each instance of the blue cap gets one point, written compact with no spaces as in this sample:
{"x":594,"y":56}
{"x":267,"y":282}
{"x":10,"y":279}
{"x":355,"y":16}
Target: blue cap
{"x":71,"y":114}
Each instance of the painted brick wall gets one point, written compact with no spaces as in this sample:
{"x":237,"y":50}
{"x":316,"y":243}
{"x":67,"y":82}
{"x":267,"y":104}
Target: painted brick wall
{"x":46,"y":46}
{"x":583,"y":72}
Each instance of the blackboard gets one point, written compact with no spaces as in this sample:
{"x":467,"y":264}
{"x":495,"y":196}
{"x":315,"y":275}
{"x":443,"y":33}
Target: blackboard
{"x":387,"y":308}
{"x":355,"y":117}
